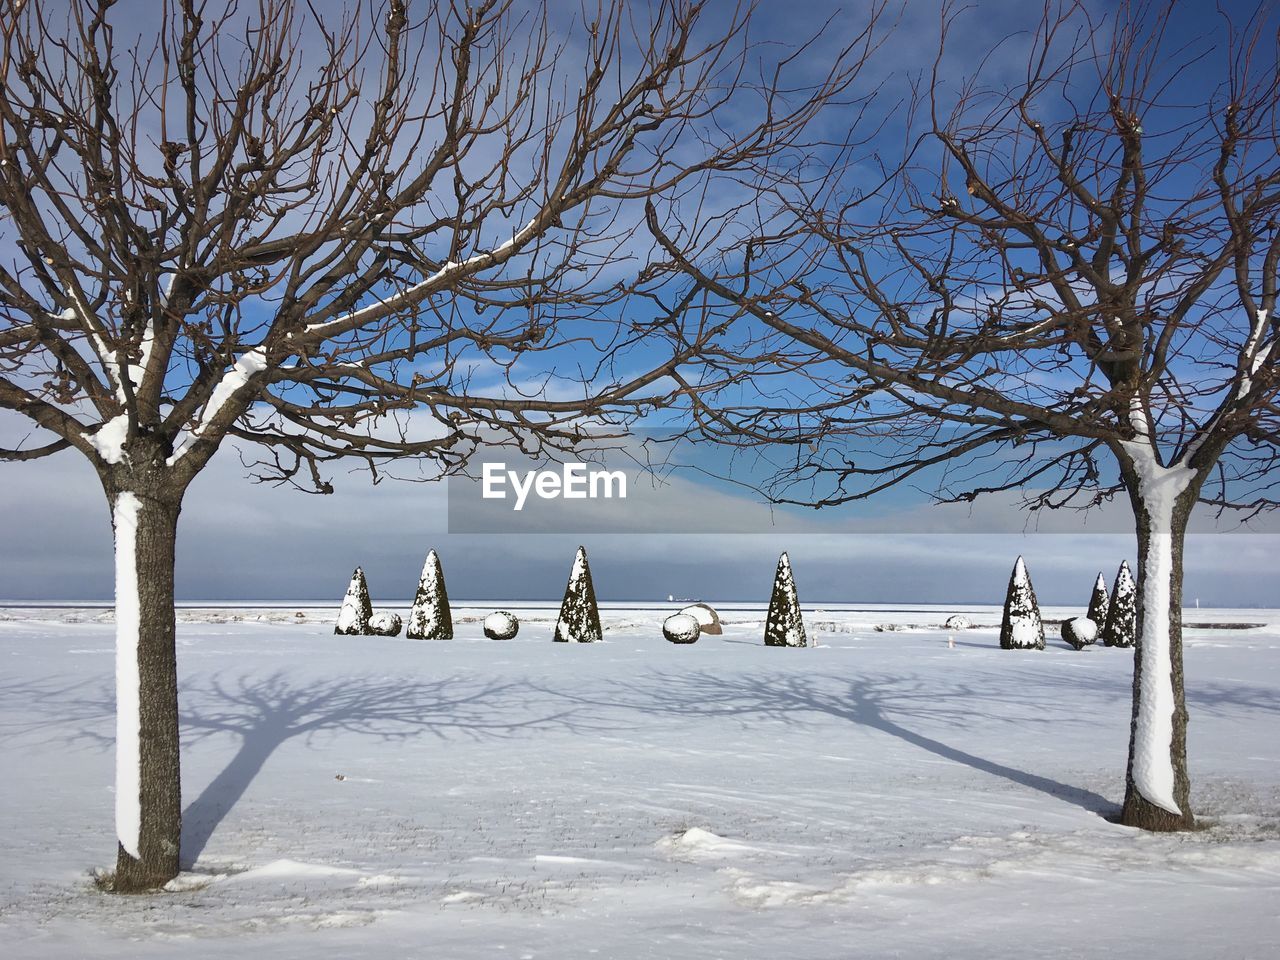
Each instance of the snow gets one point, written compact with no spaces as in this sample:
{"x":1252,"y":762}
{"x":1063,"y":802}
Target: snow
{"x":784,"y":625}
{"x":1025,"y":629}
{"x":137,"y":372}
{"x":1152,"y":766}
{"x":1254,"y":359}
{"x":1159,"y":488}
{"x":579,"y":619}
{"x":639,"y":800}
{"x":703,"y":614}
{"x":355,"y":613}
{"x":109,"y":439}
{"x":231,"y":384}
{"x":681,"y":628}
{"x":1086,"y":630}
{"x":501,"y":625}
{"x":486,"y":258}
{"x":429,"y":618}
{"x":128,"y":781}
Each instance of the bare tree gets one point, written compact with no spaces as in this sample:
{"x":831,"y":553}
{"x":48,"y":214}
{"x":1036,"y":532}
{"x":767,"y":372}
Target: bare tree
{"x":1068,"y":275}
{"x":377,"y":234}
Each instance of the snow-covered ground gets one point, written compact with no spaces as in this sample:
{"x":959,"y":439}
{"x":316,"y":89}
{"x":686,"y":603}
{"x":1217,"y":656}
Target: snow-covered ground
{"x":879,"y":795}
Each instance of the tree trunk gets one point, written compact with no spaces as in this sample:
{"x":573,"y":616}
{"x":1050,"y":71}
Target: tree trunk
{"x":148,"y":787}
{"x":1157,"y":786}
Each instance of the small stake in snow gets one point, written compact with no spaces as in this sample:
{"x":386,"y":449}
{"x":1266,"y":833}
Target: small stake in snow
{"x":579,"y":620}
{"x":353,"y":618}
{"x":784,"y":625}
{"x":1099,"y":602}
{"x":951,"y":643}
{"x":1021,"y":627}
{"x":430,"y":618}
{"x":1121,"y":628}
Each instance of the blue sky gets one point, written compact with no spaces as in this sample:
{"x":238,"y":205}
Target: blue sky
{"x":239,"y":540}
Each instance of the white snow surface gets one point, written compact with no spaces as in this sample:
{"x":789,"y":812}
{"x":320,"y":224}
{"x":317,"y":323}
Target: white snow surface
{"x":128,"y":779}
{"x":879,"y":794}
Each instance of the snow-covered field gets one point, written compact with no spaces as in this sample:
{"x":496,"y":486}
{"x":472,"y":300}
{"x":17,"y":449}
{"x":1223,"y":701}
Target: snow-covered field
{"x":880,"y":795}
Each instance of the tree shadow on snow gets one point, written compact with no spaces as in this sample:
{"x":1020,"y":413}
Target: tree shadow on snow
{"x":873,"y":702}
{"x":263,"y":713}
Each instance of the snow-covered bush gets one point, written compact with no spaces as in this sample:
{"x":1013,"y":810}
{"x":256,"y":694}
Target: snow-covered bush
{"x":784,"y":625}
{"x":708,"y":619}
{"x":385,"y":625}
{"x":958,"y":621}
{"x":1121,"y":628}
{"x":579,"y":620}
{"x":501,"y":625}
{"x":1021,"y":627}
{"x":681,"y":628}
{"x":1099,"y":601}
{"x":1079,"y":632}
{"x":430,"y":618}
{"x":357,"y":608}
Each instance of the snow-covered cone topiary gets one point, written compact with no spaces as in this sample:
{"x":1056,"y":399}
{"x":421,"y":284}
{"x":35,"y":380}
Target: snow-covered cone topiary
{"x":430,"y":618}
{"x":784,"y":626}
{"x":681,"y":628}
{"x":385,"y":625}
{"x":357,"y":608}
{"x":501,"y":625}
{"x":1099,"y":602}
{"x":1121,"y":628}
{"x":1079,"y":632}
{"x":579,"y":620}
{"x":708,"y":619}
{"x":1021,"y":627}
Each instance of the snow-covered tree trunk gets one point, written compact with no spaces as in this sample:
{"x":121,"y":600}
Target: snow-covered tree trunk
{"x":148,"y":786}
{"x":1157,"y":785}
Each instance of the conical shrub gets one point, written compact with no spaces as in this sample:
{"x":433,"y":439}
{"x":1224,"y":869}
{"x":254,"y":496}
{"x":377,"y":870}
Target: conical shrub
{"x":1121,"y":628}
{"x":430,"y":618}
{"x":784,"y":625}
{"x":1021,"y":627}
{"x":357,"y":608}
{"x":579,"y":620}
{"x":1099,"y":602}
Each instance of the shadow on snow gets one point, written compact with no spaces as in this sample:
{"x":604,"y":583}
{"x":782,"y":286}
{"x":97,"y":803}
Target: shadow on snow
{"x":264,"y":712}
